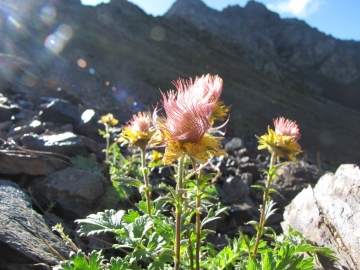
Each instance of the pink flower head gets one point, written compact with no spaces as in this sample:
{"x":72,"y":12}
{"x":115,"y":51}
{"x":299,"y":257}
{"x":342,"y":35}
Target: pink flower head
{"x":287,"y":128}
{"x":205,"y":89}
{"x":185,"y":128}
{"x":186,"y":116}
{"x":141,"y":122}
{"x":138,"y":131}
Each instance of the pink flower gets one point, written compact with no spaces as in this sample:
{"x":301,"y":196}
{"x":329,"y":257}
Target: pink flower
{"x":287,"y":128}
{"x":187,"y":123}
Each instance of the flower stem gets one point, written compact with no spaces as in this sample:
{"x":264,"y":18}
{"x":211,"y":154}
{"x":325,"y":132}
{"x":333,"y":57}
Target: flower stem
{"x":146,"y":180}
{"x":178,"y":207}
{"x":190,"y":250}
{"x":263,"y":207}
{"x":107,"y":132}
{"x":198,"y":217}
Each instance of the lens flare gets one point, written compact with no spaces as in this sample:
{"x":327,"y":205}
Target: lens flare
{"x":48,"y":14}
{"x":57,"y":41}
{"x":158,"y":33}
{"x":81,"y":63}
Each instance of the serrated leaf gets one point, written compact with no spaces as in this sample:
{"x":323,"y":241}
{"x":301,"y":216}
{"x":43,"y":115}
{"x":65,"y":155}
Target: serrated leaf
{"x":142,"y":205}
{"x":109,"y":220}
{"x":131,"y":216}
{"x":95,"y":260}
{"x":126,"y":180}
{"x":268,"y":260}
{"x":140,"y":226}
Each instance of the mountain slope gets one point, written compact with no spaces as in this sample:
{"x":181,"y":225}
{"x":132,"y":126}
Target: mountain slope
{"x":130,"y":55}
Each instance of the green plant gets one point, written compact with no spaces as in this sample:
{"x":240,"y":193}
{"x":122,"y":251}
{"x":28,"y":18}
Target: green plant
{"x":161,"y":234}
{"x":84,"y":163}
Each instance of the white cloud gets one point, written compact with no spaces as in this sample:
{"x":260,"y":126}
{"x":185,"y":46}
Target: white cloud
{"x":298,"y":8}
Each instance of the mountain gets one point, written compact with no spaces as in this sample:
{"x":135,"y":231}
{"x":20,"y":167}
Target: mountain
{"x":114,"y":58}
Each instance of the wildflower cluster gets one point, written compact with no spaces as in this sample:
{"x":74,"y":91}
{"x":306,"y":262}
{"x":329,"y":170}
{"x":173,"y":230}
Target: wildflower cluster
{"x":187,"y":126}
{"x":153,"y":240}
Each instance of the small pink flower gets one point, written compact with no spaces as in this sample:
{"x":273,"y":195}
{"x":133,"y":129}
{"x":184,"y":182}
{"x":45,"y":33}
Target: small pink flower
{"x":189,"y":109}
{"x":185,"y":128}
{"x":287,"y":128}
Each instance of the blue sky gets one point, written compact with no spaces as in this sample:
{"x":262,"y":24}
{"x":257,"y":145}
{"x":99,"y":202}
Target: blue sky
{"x":339,"y":18}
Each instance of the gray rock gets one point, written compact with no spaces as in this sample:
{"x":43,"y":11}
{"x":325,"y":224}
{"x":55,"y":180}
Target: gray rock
{"x":329,"y":215}
{"x":34,"y":127}
{"x":66,"y":143}
{"x":247,"y":178}
{"x":242,"y":212}
{"x":89,"y":126}
{"x":233,"y":145}
{"x":20,"y":229}
{"x":30,"y":163}
{"x":5,"y":126}
{"x":76,"y":191}
{"x":60,"y":112}
{"x":5,"y":113}
{"x":233,"y":190}
{"x":292,"y":178}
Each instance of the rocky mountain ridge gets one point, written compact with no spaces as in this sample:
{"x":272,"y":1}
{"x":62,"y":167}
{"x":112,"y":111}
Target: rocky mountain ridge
{"x":278,"y":46}
{"x":114,"y":58}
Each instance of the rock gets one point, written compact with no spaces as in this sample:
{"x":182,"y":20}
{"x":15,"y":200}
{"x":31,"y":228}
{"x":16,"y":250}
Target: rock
{"x":218,"y":240}
{"x":233,"y":145}
{"x":247,"y":178}
{"x":242,"y":212}
{"x":292,"y":178}
{"x":233,"y":190}
{"x":20,"y":228}
{"x":75,"y":191}
{"x":28,"y":162}
{"x":67,"y":144}
{"x":5,"y":113}
{"x":329,"y":215}
{"x":60,"y":112}
{"x":5,"y":126}
{"x":34,"y":127}
{"x":89,"y":126}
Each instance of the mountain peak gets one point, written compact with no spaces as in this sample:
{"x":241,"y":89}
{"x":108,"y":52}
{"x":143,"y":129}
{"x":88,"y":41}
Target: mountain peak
{"x":184,"y":7}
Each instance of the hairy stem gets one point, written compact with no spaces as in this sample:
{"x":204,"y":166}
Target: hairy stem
{"x":178,"y":206}
{"x":146,"y":180}
{"x":190,"y":250}
{"x":263,"y":207}
{"x":198,"y":219}
{"x":107,"y":132}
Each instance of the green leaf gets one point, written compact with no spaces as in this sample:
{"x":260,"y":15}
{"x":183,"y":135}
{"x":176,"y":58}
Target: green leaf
{"x":268,"y":261}
{"x":126,"y":180}
{"x":95,"y":260}
{"x":142,"y":205}
{"x":140,"y":226}
{"x":253,"y":223}
{"x":78,"y":261}
{"x":84,"y":163}
{"x":259,"y":187}
{"x":131,"y":216}
{"x":109,"y":220}
{"x":253,"y":264}
{"x":210,"y":217}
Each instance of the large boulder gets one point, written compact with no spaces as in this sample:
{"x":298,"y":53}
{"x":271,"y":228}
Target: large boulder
{"x":292,"y":178}
{"x":329,"y":215}
{"x":28,"y":162}
{"x":23,"y":232}
{"x":76,"y":192}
